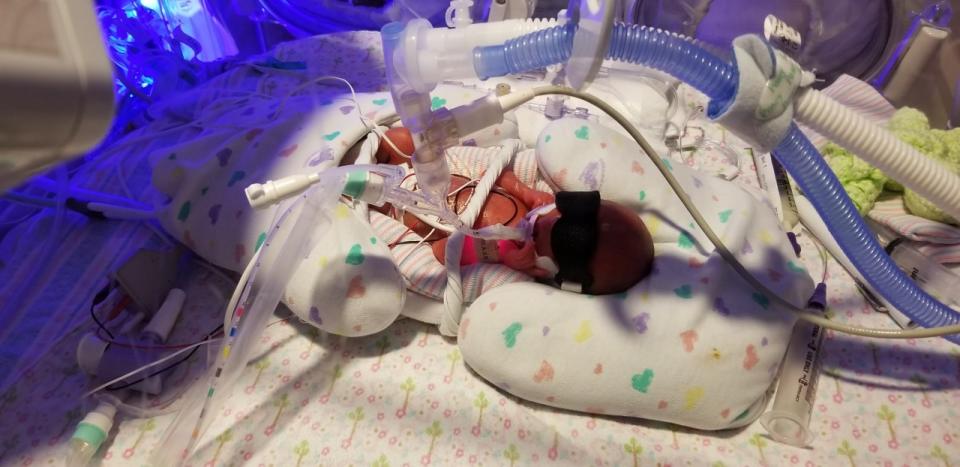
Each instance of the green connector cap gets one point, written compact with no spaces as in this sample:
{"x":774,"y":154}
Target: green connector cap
{"x":356,"y":184}
{"x":90,"y":433}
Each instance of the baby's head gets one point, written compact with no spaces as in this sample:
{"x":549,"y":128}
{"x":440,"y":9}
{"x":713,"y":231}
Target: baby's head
{"x":601,"y":245}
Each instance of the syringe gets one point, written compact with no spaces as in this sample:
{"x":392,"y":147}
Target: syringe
{"x":789,"y":420}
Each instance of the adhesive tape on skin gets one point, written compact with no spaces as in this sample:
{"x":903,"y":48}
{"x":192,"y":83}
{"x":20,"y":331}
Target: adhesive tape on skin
{"x":547,"y":264}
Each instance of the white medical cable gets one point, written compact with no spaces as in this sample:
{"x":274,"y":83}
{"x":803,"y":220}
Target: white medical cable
{"x":238,"y":290}
{"x":110,"y":211}
{"x":168,"y":405}
{"x":122,"y":180}
{"x":821,"y":251}
{"x":20,"y":219}
{"x":404,"y":4}
{"x":89,"y":195}
{"x":409,"y":253}
{"x":130,"y":410}
{"x":27,"y":200}
{"x":353,"y":97}
{"x":453,"y":292}
{"x":721,"y":248}
{"x":6,"y":385}
{"x":150,"y":365}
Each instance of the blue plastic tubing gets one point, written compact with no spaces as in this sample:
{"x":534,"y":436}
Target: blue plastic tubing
{"x":691,"y":63}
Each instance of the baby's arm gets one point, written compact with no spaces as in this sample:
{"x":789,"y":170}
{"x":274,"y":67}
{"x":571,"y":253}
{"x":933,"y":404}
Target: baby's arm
{"x":505,"y":252}
{"x":528,"y":196}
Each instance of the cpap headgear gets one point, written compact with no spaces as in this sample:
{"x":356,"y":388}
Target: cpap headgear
{"x":574,"y":238}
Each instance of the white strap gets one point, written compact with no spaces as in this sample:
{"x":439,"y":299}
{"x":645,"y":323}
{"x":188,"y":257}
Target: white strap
{"x":768,"y":81}
{"x":453,"y":293}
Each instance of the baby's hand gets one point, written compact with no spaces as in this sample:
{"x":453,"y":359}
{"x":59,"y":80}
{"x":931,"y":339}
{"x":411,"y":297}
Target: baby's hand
{"x":524,"y":259}
{"x":530,"y":197}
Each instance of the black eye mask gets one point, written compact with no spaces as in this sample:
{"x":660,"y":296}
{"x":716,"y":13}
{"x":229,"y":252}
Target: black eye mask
{"x":574,"y":236}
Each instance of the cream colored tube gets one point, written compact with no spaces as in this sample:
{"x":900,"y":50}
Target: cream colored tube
{"x":929,"y":178}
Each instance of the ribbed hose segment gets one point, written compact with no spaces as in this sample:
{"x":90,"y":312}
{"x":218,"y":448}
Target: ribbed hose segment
{"x":665,"y":51}
{"x":677,"y":55}
{"x":880,"y":148}
{"x":825,"y":192}
{"x":528,"y":52}
{"x":686,"y":60}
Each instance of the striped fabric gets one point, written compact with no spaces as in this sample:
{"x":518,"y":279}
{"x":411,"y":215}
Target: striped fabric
{"x":894,"y":215}
{"x":426,"y":276}
{"x":859,"y":96}
{"x":423,"y":273}
{"x":939,"y":242}
{"x":471,"y":162}
{"x":56,"y":302}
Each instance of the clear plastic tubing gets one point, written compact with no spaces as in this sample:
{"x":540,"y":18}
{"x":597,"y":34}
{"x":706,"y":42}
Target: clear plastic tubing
{"x":13,"y":312}
{"x":686,"y":60}
{"x":288,"y":242}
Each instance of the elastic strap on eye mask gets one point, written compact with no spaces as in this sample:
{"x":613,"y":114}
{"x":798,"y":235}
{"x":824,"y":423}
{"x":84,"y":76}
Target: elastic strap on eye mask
{"x":574,"y":236}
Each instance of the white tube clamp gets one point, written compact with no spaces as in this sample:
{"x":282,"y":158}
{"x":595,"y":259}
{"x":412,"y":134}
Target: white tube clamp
{"x":762,"y":111}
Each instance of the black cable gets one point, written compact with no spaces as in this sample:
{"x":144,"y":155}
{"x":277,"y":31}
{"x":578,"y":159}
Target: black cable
{"x":99,"y":298}
{"x":413,"y":242}
{"x":168,"y":367}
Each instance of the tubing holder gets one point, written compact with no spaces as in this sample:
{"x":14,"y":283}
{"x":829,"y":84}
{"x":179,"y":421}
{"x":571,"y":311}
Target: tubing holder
{"x":761,"y":112}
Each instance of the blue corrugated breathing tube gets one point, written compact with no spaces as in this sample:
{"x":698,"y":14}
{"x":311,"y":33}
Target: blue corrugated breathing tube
{"x":686,"y":60}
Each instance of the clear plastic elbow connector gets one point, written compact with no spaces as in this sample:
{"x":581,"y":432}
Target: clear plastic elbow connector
{"x":432,"y":131}
{"x":413,"y":105}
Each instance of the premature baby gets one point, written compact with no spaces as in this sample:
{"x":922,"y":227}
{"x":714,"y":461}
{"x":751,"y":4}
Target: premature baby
{"x":577,"y":240}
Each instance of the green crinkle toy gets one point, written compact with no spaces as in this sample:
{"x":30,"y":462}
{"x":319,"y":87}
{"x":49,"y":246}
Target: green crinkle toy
{"x":862,"y":182}
{"x":913,"y":128}
{"x":907,"y":119}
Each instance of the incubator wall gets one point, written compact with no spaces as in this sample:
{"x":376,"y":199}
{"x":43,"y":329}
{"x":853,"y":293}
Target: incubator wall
{"x":844,"y":37}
